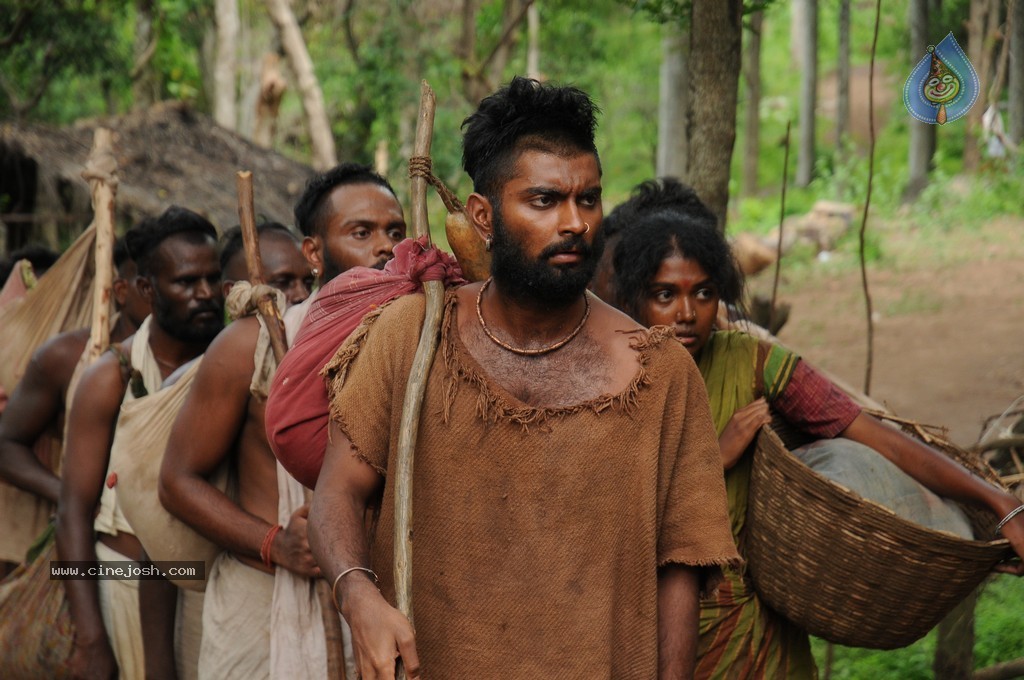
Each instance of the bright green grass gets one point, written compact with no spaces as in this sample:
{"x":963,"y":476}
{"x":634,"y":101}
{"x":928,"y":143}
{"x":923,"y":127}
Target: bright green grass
{"x":998,"y":630}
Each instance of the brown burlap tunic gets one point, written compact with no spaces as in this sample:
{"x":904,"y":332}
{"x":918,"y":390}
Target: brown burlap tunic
{"x":537,"y":532}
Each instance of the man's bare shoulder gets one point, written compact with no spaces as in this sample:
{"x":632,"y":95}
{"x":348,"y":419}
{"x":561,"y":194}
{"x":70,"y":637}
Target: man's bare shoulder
{"x":59,"y":355}
{"x":228,"y":362}
{"x":237,"y":340}
{"x":102,"y":385}
{"x":616,"y":330}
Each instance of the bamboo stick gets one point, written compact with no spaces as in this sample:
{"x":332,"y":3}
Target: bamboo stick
{"x":271,"y":315}
{"x":415,"y":388}
{"x":100,"y":172}
{"x":266,"y":305}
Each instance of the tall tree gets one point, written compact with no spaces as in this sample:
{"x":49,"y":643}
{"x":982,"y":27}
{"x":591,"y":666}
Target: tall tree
{"x":226,"y":66}
{"x":268,"y":103}
{"x":320,"y":135}
{"x":982,"y":26}
{"x":715,"y":46}
{"x":843,"y":74}
{"x":1016,"y":86}
{"x":922,"y":135}
{"x":752,"y":112}
{"x":533,"y":42}
{"x":145,"y":78}
{"x":481,"y":74}
{"x":673,"y":97}
{"x":808,"y":92}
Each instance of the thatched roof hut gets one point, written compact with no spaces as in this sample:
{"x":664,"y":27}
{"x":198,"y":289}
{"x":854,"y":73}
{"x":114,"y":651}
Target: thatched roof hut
{"x":167,"y":155}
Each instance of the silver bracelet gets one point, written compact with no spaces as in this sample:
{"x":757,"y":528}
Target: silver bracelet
{"x":1010,"y":515}
{"x":334,"y":586}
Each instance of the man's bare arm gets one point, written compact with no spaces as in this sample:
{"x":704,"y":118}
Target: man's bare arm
{"x":337,"y":535}
{"x":204,"y":436}
{"x":33,"y":408}
{"x":90,"y":431}
{"x":678,"y":621}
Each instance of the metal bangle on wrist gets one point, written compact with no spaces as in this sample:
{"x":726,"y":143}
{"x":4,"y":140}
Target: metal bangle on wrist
{"x":337,"y":579}
{"x":1009,"y":516}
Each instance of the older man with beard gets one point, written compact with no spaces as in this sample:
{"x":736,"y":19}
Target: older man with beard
{"x":568,"y":492}
{"x":179,"y":274}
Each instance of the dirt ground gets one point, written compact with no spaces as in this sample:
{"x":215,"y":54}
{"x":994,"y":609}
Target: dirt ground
{"x":949,"y":338}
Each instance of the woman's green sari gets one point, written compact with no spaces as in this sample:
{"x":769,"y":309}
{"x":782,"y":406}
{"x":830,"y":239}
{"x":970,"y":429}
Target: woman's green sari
{"x":739,"y":636}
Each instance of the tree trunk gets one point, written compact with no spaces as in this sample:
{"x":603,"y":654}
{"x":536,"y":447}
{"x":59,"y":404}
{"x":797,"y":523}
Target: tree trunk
{"x":954,"y":649}
{"x":715,"y":45}
{"x":981,"y":28}
{"x":808,"y":93}
{"x":272,"y":89}
{"x":922,"y":135}
{"x":672,"y":103}
{"x":797,"y":33}
{"x":1016,"y":87}
{"x":843,"y":75}
{"x":225,"y":66}
{"x":481,"y":75}
{"x":320,"y":136}
{"x":752,"y":116}
{"x":533,"y":42}
{"x":145,"y":84}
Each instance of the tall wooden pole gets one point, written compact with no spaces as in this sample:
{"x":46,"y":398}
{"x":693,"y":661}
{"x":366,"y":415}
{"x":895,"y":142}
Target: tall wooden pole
{"x":416,"y":387}
{"x":100,"y":172}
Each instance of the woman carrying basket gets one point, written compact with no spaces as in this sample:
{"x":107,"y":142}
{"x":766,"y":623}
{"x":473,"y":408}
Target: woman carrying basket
{"x":673,"y":267}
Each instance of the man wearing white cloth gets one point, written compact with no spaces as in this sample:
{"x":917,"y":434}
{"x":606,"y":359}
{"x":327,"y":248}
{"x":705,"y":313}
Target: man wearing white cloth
{"x":179,"y":273}
{"x":261,"y":618}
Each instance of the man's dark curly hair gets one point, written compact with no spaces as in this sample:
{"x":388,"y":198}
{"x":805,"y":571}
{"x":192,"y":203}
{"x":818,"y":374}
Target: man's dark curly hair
{"x":144,"y":239}
{"x":309,"y":212}
{"x":521,"y":116}
{"x":655,"y":195}
{"x":652,"y":238}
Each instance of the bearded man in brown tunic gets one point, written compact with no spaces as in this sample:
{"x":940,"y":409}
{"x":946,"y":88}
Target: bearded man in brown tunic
{"x":568,"y":490}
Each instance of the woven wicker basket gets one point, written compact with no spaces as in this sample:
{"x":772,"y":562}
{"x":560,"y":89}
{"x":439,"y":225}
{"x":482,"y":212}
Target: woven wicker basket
{"x":849,"y":570}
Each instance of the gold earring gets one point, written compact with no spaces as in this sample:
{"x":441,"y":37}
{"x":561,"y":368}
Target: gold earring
{"x":487,"y":243}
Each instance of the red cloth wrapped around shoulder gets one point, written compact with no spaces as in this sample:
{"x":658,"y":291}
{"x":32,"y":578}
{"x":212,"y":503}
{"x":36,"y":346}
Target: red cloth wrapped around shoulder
{"x":297,"y":408}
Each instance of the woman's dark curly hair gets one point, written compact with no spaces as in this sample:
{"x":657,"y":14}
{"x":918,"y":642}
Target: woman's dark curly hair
{"x":656,"y":236}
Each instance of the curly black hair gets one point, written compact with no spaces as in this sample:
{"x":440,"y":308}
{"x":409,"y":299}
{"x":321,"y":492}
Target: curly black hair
{"x":144,"y":239}
{"x":525,"y":114}
{"x":309,"y":212}
{"x":656,"y":236}
{"x":654,"y":195}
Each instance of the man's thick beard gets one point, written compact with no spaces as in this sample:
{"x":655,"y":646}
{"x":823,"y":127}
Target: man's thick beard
{"x":332,"y":270}
{"x":537,"y":281}
{"x":187,"y":332}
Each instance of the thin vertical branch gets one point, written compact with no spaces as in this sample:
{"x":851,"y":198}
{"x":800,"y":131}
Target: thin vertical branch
{"x":415,"y":389}
{"x":782,"y":216}
{"x":867,"y":204}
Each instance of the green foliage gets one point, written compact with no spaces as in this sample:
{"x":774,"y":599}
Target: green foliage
{"x":181,"y":25}
{"x":999,"y":636}
{"x":48,"y":42}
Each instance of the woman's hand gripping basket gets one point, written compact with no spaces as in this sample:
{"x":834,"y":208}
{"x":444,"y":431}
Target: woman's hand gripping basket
{"x":849,"y":570}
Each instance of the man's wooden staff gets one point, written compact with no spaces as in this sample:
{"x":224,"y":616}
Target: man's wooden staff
{"x":100,"y":172}
{"x":417,"y":384}
{"x":266,"y":307}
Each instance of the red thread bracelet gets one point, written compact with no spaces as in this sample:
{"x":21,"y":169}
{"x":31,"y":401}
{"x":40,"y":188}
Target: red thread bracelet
{"x":267,"y":541}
